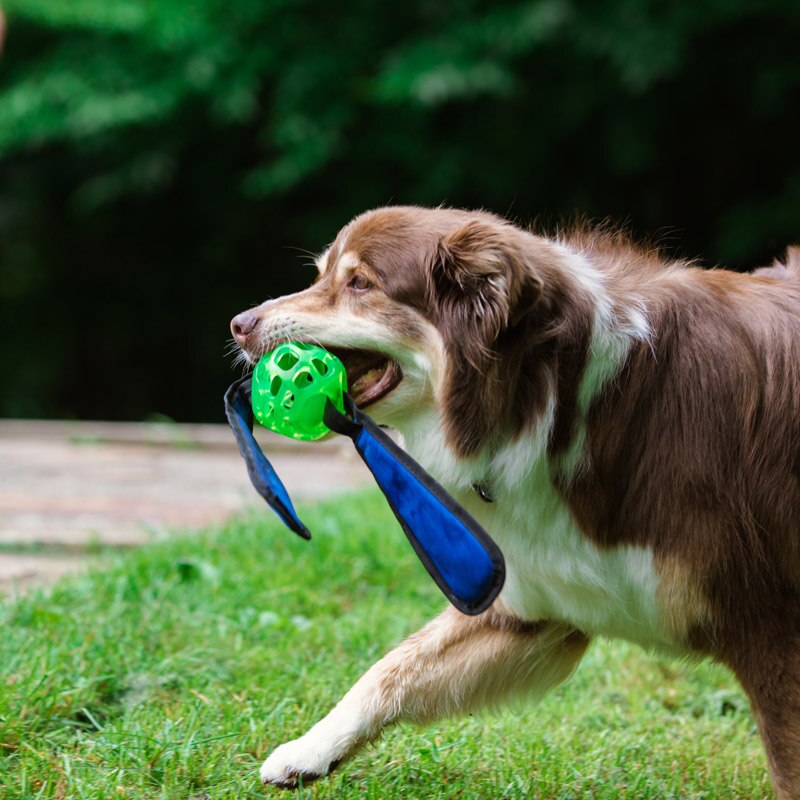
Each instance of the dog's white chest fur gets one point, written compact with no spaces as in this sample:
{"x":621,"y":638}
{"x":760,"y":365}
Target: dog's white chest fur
{"x":553,"y":571}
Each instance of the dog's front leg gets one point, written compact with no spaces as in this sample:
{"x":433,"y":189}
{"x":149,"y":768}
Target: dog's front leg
{"x":454,"y":664}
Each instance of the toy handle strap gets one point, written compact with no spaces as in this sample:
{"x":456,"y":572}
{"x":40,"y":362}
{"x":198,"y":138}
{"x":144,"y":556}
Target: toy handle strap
{"x":459,"y":555}
{"x":239,"y":411}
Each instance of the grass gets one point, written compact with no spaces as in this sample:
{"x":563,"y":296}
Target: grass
{"x":175,"y":670}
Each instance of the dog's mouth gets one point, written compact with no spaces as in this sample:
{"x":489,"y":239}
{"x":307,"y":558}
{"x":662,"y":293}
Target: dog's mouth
{"x":370,"y":375}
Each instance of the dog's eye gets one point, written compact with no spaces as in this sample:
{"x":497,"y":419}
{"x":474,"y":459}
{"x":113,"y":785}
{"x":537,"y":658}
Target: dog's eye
{"x":359,"y":283}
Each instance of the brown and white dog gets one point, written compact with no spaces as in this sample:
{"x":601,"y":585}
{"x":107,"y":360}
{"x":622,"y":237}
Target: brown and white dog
{"x":636,"y":422}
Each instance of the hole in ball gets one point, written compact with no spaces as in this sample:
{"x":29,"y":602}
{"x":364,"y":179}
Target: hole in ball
{"x":303,"y":378}
{"x":287,"y":360}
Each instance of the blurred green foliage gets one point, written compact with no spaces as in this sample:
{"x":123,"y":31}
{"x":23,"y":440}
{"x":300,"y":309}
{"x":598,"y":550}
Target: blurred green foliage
{"x":159,"y":159}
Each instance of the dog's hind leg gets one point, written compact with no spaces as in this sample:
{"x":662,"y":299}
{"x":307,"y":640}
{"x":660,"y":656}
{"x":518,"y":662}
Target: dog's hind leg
{"x":771,"y":677}
{"x":453,"y":665}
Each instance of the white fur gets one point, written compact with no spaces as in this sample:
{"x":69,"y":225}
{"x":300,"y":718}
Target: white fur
{"x":614,"y":331}
{"x":331,"y":739}
{"x":322,"y":261}
{"x":553,"y":571}
{"x":346,"y":261}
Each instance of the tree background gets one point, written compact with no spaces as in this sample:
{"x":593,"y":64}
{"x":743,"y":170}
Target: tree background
{"x":160,"y":160}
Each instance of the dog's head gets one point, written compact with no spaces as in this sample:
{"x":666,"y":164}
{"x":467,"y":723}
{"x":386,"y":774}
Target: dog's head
{"x":427,"y":309}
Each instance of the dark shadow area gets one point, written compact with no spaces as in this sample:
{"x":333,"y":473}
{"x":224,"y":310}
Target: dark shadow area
{"x":159,"y":169}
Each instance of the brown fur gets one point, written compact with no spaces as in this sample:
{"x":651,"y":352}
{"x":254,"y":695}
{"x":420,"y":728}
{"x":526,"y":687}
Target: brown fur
{"x":691,"y":451}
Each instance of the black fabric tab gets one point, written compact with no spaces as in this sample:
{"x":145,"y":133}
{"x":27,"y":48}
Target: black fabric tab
{"x":338,"y":422}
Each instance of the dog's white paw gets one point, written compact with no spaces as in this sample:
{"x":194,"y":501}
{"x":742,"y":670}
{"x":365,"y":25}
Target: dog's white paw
{"x":301,"y":759}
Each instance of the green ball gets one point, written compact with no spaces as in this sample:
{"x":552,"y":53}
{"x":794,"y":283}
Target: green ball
{"x":291,"y":386}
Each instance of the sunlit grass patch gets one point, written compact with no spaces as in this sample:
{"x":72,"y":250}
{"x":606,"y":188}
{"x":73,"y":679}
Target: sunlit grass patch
{"x":174,"y":671}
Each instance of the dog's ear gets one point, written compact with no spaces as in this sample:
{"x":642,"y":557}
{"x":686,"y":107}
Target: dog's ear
{"x":480,"y":282}
{"x":480,"y":286}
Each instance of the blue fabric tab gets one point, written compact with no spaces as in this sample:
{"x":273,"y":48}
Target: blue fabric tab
{"x":470,"y":571}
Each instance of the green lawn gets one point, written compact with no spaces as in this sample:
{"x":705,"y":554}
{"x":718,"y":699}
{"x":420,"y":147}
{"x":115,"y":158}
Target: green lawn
{"x":173,"y":672}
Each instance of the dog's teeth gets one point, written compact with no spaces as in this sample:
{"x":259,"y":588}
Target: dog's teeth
{"x":369,"y":377}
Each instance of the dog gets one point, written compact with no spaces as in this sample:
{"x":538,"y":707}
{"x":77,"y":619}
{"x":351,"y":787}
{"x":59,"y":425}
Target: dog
{"x":625,"y":426}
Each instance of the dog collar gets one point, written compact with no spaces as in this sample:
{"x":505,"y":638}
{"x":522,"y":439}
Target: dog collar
{"x":459,"y":555}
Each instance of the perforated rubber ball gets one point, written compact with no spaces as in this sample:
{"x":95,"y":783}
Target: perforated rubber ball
{"x":291,"y":386}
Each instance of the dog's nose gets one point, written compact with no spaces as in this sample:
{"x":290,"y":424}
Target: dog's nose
{"x":242,"y":325}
